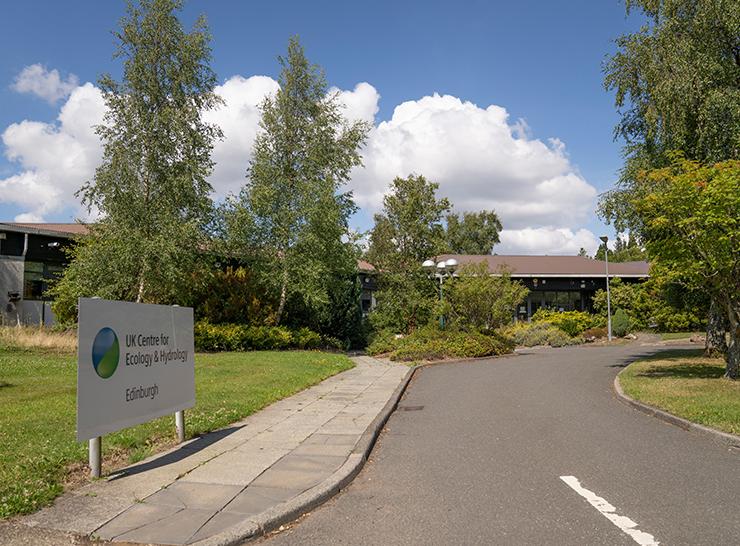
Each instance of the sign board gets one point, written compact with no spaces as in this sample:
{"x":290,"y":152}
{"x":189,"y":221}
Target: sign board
{"x":135,"y":362}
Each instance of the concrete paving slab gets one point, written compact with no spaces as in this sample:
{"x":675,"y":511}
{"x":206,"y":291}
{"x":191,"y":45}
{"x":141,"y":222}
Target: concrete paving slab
{"x":219,"y":522}
{"x":332,"y":439}
{"x":291,"y":479}
{"x":178,"y":528}
{"x":255,"y":499}
{"x":136,"y":516}
{"x":201,"y":496}
{"x":78,"y":513}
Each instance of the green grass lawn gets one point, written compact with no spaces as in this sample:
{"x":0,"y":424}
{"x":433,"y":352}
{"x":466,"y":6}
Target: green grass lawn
{"x":669,"y":336}
{"x":38,"y":413}
{"x":684,"y":383}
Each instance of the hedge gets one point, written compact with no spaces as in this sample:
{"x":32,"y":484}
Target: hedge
{"x":238,"y":337}
{"x":431,"y":343}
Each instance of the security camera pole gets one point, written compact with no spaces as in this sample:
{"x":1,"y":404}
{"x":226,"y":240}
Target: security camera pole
{"x":608,"y":296}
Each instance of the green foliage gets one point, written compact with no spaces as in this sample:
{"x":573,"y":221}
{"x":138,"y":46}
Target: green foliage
{"x":239,"y":337}
{"x":621,"y":323}
{"x":572,"y":323}
{"x":404,"y":301}
{"x":291,"y":215}
{"x":151,"y":188}
{"x":691,"y":223}
{"x":660,"y":302}
{"x":625,"y":250}
{"x":539,"y":333}
{"x":431,"y":343}
{"x":234,"y":295}
{"x":341,"y":317}
{"x":409,"y":229}
{"x":676,"y":89}
{"x":475,"y":233}
{"x":476,"y":300}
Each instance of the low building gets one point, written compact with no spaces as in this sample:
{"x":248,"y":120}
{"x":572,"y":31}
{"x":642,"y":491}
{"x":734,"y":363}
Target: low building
{"x":565,"y":283}
{"x":31,"y":255}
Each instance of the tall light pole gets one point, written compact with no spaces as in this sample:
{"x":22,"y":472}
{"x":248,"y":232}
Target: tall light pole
{"x":440,"y":271}
{"x":604,"y":238}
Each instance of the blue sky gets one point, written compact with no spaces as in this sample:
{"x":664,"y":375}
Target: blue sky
{"x":540,"y":61}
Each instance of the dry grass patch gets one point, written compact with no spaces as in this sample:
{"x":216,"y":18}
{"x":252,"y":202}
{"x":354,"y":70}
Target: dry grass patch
{"x":34,"y":337}
{"x":687,"y":384}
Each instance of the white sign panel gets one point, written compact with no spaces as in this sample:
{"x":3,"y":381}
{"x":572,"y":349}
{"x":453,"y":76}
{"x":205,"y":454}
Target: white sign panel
{"x":135,"y":362}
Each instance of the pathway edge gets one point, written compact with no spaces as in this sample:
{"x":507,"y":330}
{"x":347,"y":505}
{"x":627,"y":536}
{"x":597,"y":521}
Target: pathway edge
{"x":729,"y":440}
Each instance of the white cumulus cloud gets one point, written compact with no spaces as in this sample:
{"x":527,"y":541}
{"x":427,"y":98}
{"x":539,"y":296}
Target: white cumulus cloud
{"x":238,"y":118}
{"x":480,"y":161}
{"x":546,"y":240}
{"x":47,"y":84}
{"x":56,"y":158}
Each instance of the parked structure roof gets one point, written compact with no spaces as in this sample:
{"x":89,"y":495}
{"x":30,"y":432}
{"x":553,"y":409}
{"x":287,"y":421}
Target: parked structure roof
{"x":553,"y":266}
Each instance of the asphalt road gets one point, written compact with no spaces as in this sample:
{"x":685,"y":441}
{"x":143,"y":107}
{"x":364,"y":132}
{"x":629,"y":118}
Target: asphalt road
{"x":476,"y":451}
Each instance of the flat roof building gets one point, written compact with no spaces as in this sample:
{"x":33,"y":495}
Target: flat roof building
{"x":566,"y":283}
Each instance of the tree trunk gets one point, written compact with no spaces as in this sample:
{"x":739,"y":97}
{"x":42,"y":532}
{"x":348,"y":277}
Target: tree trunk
{"x":140,"y":293}
{"x":716,"y":344}
{"x":283,"y":294}
{"x":733,"y":349}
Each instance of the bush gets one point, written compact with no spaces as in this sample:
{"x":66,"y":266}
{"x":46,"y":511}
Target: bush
{"x":540,"y":333}
{"x":621,"y":323}
{"x":573,"y":323}
{"x":595,"y":333}
{"x":431,"y":343}
{"x":238,"y":337}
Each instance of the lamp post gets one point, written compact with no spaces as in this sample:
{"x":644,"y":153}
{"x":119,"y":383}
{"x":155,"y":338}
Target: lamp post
{"x":604,"y":239}
{"x":440,"y":271}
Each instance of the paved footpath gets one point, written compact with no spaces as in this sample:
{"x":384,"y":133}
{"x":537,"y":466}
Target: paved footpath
{"x":215,"y":488}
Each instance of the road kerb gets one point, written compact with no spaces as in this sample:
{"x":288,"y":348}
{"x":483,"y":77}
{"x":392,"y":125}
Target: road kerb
{"x":725,"y":438}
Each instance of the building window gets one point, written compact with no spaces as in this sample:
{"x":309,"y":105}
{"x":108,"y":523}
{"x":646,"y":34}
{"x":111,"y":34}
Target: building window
{"x":36,"y":277}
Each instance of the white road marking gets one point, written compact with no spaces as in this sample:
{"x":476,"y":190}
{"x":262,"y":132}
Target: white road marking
{"x":625,"y":524}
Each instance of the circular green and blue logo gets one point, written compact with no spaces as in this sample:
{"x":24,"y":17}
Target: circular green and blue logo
{"x":105,"y":352}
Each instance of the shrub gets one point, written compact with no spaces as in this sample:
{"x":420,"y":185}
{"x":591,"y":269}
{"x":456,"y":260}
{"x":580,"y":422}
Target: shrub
{"x":621,"y":323}
{"x":478,"y":301}
{"x":433,"y":344}
{"x":595,"y":333}
{"x":238,"y":337}
{"x":572,"y":323}
{"x":540,"y":333}
{"x":307,"y":339}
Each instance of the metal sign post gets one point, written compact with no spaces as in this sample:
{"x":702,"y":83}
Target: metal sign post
{"x":94,"y":456}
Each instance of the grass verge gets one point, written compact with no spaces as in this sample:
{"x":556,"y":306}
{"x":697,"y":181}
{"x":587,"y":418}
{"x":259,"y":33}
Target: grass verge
{"x":38,"y":451}
{"x":686,"y":384}
{"x":670,"y":336}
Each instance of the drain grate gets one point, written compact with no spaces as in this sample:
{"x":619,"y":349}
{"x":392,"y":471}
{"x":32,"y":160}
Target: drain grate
{"x":410,"y":408}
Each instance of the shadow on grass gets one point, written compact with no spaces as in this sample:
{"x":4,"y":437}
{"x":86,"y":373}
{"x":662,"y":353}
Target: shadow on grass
{"x":178,"y":454}
{"x":679,"y":371}
{"x":653,"y":354}
{"x":5,"y":384}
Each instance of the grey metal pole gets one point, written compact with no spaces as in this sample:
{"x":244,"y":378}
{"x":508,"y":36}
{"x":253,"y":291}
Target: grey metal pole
{"x":180,"y":425}
{"x":94,"y":458}
{"x":608,"y":296}
{"x":441,"y":300}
